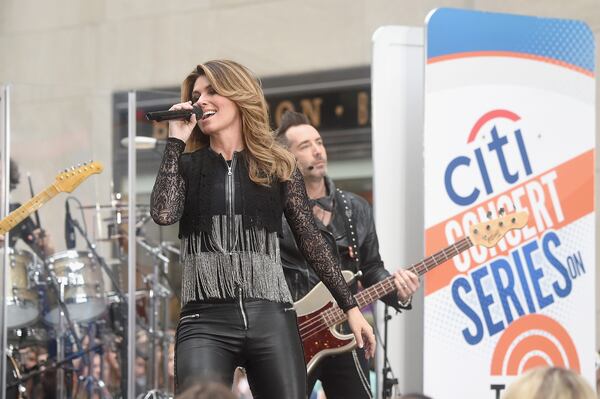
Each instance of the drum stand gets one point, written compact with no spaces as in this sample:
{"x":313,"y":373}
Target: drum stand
{"x":123,"y":300}
{"x":158,"y":294}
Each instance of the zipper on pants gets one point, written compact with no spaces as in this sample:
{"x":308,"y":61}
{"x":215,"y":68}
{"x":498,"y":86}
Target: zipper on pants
{"x":190,"y":316}
{"x":238,"y":290}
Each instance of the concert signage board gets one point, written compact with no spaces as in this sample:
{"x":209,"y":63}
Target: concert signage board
{"x":509,"y":123}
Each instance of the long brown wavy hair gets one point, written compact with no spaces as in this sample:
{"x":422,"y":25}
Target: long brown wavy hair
{"x":267,"y":160}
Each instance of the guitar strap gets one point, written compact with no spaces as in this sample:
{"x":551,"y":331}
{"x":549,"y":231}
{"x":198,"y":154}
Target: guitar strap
{"x":350,"y":226}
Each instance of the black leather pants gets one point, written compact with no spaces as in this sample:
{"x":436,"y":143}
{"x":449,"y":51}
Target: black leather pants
{"x":344,"y":376}
{"x":260,"y":336}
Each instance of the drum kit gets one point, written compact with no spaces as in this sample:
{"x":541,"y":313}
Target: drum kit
{"x":70,"y":307}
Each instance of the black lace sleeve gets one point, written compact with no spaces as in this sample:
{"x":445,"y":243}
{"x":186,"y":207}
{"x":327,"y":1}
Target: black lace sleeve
{"x":311,"y":243}
{"x":168,"y":193}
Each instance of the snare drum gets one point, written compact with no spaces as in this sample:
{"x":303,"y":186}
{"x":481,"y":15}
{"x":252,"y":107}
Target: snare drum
{"x":22,"y":300}
{"x":81,"y":278}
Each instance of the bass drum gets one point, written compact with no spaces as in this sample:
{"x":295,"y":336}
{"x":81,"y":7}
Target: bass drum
{"x":22,"y":300}
{"x":14,"y":389}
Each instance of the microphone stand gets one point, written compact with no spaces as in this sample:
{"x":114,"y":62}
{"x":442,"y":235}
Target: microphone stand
{"x":58,"y":288}
{"x":122,"y":300}
{"x":55,"y":365}
{"x":387,"y":382}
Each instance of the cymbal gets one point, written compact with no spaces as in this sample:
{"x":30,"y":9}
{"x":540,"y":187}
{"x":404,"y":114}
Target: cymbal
{"x":117,"y":206}
{"x":125,"y":218}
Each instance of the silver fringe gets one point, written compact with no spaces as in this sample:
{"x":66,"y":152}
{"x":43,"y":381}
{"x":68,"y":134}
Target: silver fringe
{"x":254,"y":264}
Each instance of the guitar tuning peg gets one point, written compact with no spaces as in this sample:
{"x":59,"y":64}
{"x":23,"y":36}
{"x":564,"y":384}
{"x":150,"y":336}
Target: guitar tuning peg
{"x":489,"y":214}
{"x":501,"y":211}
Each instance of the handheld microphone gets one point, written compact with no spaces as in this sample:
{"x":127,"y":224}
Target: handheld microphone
{"x":160,"y":116}
{"x":69,"y":229}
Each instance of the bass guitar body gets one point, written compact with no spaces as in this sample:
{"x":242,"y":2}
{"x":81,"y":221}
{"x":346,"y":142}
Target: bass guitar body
{"x":319,"y":339}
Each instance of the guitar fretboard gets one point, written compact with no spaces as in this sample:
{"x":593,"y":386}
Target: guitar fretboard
{"x":335,"y":315}
{"x":35,"y":203}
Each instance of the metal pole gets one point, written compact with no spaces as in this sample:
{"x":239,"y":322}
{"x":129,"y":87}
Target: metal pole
{"x":60,"y":343}
{"x":4,"y":208}
{"x":165,"y":338}
{"x":131,"y":173}
{"x":152,"y":327}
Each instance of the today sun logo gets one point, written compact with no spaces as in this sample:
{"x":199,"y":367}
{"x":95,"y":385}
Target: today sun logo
{"x":531,"y":341}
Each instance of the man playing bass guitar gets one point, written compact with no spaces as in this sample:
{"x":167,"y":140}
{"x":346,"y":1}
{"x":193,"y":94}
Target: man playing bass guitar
{"x":346,"y":222}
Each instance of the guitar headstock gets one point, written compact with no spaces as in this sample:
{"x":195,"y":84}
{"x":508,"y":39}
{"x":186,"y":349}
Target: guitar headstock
{"x":489,"y":233}
{"x":68,"y":180}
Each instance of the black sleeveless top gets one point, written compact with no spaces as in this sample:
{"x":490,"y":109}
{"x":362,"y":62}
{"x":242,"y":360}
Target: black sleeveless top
{"x":229,"y":227}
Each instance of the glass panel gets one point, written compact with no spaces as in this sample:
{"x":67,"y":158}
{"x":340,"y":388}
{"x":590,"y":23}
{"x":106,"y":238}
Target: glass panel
{"x":157,"y":273}
{"x":62,"y":307}
{"x":4,"y":264}
{"x":67,"y":289}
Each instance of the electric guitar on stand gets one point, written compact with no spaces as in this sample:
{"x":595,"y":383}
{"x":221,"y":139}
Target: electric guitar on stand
{"x":66,"y":181}
{"x":318,"y":314}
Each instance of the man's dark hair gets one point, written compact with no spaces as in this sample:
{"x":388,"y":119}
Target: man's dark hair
{"x":288,"y":120}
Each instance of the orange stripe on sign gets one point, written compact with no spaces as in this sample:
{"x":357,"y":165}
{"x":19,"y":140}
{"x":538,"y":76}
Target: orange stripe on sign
{"x":510,"y":54}
{"x":575,"y":188}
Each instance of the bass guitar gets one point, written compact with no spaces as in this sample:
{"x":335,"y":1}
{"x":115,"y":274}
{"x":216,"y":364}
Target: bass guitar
{"x":318,"y":314}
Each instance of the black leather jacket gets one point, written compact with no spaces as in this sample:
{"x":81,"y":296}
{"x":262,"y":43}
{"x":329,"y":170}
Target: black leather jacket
{"x":301,"y":278}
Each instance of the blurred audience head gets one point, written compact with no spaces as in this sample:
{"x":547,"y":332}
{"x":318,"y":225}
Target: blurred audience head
{"x":207,"y":390}
{"x":549,"y":383}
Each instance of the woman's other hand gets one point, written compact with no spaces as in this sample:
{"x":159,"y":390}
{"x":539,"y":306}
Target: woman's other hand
{"x":362,"y":330}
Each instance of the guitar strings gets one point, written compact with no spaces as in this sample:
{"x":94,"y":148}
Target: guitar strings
{"x":334,"y":315}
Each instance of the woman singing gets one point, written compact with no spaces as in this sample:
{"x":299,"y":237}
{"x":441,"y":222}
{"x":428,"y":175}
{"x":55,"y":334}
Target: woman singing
{"x":229,"y":190}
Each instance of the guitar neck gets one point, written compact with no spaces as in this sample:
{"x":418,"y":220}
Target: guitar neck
{"x":386,"y":286}
{"x":35,"y":203}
